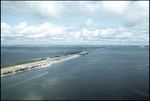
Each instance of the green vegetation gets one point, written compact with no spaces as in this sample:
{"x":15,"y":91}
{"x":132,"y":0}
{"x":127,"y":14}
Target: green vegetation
{"x":7,"y":72}
{"x":9,"y":65}
{"x":33,"y":67}
{"x":54,"y":56}
{"x":15,"y":64}
{"x":73,"y":53}
{"x":23,"y":69}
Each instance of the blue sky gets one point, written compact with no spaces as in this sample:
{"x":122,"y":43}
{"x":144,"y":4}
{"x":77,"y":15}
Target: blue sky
{"x":75,"y":22}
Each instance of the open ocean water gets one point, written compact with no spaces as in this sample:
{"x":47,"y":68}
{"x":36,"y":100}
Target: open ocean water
{"x":113,"y":73}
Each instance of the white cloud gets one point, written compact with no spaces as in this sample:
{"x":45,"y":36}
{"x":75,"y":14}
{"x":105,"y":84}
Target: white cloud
{"x":48,"y":31}
{"x":116,"y":7}
{"x":89,"y":22}
{"x":134,"y":23}
{"x":137,"y":12}
{"x":4,"y":25}
{"x":51,"y":32}
{"x":46,"y":9}
{"x":131,"y":13}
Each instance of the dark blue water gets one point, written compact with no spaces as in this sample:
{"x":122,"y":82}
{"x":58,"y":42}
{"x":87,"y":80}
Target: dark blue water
{"x":113,"y":73}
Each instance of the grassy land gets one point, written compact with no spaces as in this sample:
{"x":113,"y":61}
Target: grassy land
{"x":73,"y":53}
{"x":54,"y":56}
{"x":23,"y":69}
{"x":7,"y":72}
{"x":9,"y":65}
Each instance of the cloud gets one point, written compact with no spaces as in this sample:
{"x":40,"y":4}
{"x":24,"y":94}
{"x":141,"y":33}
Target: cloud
{"x":66,"y":9}
{"x":89,"y":22}
{"x":115,"y":7}
{"x":137,"y":13}
{"x":47,"y":32}
{"x":133,"y":25}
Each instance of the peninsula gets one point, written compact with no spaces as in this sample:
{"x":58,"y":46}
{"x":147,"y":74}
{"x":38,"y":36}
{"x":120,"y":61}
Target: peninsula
{"x":27,"y":65}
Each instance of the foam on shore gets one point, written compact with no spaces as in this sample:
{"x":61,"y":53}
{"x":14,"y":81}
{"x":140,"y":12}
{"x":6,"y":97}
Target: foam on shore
{"x":44,"y":63}
{"x":58,"y":61}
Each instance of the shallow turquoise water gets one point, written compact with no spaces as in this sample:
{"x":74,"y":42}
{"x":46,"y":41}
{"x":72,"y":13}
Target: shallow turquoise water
{"x":108,"y":74}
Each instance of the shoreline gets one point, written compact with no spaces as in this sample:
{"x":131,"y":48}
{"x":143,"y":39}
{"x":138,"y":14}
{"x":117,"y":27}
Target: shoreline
{"x":42,"y":63}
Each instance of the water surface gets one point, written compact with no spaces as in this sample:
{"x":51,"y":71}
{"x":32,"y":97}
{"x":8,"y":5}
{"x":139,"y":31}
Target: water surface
{"x":113,"y":73}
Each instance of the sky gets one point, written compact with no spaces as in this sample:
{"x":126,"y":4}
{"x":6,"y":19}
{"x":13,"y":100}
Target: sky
{"x":75,"y":22}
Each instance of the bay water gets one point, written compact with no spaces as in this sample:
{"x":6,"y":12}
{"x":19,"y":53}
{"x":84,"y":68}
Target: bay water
{"x":112,"y":73}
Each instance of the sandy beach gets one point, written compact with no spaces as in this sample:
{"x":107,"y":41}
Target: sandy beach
{"x":39,"y":64}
